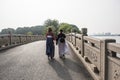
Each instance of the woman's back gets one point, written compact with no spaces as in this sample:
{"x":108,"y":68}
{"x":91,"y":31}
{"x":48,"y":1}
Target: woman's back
{"x":50,"y":43}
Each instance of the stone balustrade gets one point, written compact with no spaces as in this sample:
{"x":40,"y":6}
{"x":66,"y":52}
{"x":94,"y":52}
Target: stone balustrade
{"x":10,"y":40}
{"x":98,"y":56}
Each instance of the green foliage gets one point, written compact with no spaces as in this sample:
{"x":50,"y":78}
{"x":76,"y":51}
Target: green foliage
{"x":75,"y":28}
{"x":7,"y":31}
{"x":36,"y":30}
{"x":67,"y":28}
{"x":52,"y":23}
{"x":29,"y":33}
{"x":42,"y":29}
{"x":23,"y":30}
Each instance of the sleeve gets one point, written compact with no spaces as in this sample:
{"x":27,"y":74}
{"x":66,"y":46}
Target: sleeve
{"x":57,"y":39}
{"x":64,"y":36}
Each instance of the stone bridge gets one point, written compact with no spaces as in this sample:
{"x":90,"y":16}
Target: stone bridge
{"x":88,"y":59}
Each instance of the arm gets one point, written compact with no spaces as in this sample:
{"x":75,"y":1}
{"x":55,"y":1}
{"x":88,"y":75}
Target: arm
{"x":57,"y":39}
{"x":54,"y":38}
{"x":64,"y":36}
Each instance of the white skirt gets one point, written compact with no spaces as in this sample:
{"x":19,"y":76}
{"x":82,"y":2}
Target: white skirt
{"x":63,"y":48}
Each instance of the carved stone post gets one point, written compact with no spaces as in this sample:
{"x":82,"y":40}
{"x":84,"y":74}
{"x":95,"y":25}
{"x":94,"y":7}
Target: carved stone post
{"x":10,"y":36}
{"x":71,"y":35}
{"x":20,"y":39}
{"x":103,"y":55}
{"x":26,"y":41}
{"x":84,"y":33}
{"x":75,"y":38}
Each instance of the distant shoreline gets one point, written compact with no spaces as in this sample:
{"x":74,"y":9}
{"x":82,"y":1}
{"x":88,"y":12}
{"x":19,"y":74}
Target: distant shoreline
{"x":104,"y":35}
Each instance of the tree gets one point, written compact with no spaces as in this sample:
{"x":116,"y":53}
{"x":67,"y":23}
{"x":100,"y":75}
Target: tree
{"x":7,"y":31}
{"x":23,"y":30}
{"x":54,"y":23}
{"x":65,"y":27}
{"x":75,"y":28}
{"x":36,"y":30}
{"x":50,"y":22}
{"x":29,"y":33}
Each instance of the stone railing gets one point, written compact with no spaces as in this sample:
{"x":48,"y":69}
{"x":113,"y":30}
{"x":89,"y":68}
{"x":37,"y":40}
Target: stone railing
{"x":9,"y":40}
{"x":98,"y":56}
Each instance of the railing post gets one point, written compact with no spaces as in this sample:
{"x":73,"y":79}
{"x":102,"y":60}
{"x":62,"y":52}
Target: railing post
{"x":75,"y":38}
{"x":20,"y":39}
{"x":71,"y":35}
{"x":10,"y":36}
{"x":104,"y":62}
{"x":84,"y":33}
{"x":26,"y":39}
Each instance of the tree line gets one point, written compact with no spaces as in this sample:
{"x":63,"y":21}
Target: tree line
{"x":42,"y":29}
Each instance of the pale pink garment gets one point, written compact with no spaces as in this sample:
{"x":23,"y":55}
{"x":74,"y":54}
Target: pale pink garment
{"x":61,"y":47}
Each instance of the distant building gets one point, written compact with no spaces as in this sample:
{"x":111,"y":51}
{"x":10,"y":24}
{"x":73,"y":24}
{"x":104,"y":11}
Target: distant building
{"x":108,"y":34}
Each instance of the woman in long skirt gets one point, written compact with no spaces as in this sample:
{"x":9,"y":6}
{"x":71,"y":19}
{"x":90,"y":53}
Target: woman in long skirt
{"x":50,"y":44}
{"x":61,"y":44}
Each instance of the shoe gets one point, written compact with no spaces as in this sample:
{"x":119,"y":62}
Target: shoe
{"x":52,"y":58}
{"x":48,"y":57}
{"x":63,"y":56}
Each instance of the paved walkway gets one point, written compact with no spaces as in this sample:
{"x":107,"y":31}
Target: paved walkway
{"x":29,"y":62}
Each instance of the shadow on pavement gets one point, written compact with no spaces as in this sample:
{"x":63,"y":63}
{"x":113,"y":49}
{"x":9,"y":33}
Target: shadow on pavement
{"x":76,"y":67}
{"x":61,"y":71}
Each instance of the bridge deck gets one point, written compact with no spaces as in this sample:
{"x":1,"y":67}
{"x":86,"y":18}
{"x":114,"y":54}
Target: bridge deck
{"x":29,"y":62}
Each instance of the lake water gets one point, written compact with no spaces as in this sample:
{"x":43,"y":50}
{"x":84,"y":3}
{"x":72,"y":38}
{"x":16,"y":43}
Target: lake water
{"x":117,"y":38}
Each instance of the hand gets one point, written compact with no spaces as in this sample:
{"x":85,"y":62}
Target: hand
{"x":56,"y":43}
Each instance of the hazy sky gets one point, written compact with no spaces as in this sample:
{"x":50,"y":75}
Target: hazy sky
{"x":96,"y":15}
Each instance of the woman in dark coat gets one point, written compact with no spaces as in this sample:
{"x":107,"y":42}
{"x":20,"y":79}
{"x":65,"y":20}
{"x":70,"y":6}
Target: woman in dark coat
{"x":50,"y":44}
{"x":61,"y":44}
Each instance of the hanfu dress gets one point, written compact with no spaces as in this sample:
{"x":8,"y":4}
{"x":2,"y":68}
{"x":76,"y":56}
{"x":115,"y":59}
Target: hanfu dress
{"x":61,"y":45}
{"x":50,"y":45}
